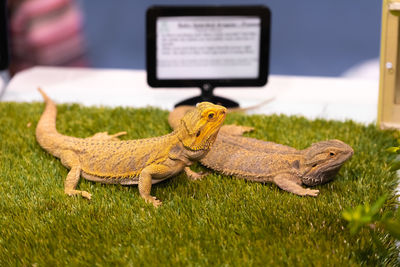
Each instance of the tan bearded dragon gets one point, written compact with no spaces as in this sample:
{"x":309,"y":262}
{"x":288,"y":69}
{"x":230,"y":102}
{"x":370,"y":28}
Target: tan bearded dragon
{"x":103,"y":158}
{"x":262,"y":161}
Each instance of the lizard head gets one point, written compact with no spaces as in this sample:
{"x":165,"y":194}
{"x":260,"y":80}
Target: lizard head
{"x":323,"y":161}
{"x":199,"y":127}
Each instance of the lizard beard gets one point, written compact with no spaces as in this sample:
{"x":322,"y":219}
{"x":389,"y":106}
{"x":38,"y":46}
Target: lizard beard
{"x":320,"y":177}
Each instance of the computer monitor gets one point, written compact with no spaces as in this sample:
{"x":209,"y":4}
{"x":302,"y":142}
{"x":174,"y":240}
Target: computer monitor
{"x":3,"y":36}
{"x":208,"y":47}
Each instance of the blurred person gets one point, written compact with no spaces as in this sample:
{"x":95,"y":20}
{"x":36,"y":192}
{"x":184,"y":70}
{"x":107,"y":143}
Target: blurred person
{"x":45,"y":32}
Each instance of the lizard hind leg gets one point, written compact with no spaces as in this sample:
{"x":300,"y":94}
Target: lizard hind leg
{"x":70,"y":160}
{"x":232,"y":129}
{"x":106,"y":137}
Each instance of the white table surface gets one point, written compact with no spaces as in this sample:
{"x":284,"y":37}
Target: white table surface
{"x":312,"y":97}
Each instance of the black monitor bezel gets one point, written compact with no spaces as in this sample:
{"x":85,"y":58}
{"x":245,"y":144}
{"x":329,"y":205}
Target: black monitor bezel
{"x":155,"y":12}
{"x":4,"y":56}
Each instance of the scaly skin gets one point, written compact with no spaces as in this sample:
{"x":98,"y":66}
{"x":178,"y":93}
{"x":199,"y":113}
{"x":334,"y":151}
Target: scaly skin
{"x":262,"y":161}
{"x":103,"y":158}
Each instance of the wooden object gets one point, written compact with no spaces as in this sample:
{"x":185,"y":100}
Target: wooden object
{"x":389,"y":84}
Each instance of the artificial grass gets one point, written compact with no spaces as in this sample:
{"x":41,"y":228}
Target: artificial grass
{"x":216,"y":221}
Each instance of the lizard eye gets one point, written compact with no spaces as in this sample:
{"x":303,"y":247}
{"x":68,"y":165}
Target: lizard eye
{"x":211,"y":115}
{"x":198,"y":134}
{"x":332,"y":154}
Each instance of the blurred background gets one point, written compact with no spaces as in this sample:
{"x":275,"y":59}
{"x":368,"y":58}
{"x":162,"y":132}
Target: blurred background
{"x":311,"y":37}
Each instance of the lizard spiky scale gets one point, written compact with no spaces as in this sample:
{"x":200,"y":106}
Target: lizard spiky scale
{"x":103,"y":158}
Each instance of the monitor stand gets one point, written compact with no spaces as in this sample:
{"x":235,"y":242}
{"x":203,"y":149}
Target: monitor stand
{"x":208,"y":96}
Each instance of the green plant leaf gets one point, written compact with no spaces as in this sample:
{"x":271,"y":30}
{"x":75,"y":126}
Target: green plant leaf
{"x":393,"y":227}
{"x":393,"y":149}
{"x":363,"y":214}
{"x":377,"y":205}
{"x":395,"y":165}
{"x":347,"y":215}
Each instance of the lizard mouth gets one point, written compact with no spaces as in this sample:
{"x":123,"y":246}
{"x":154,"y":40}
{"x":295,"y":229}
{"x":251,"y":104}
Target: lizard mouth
{"x":321,"y":176}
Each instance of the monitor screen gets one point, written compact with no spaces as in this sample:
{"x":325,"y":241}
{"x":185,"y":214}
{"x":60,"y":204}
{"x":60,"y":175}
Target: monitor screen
{"x":208,"y":47}
{"x":221,"y":46}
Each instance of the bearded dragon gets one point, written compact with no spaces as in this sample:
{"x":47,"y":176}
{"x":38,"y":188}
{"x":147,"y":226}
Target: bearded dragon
{"x":262,"y":161}
{"x":103,"y":158}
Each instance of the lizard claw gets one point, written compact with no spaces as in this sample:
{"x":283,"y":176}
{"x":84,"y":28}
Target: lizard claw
{"x":106,"y":136}
{"x":84,"y":194}
{"x":247,"y":129}
{"x":118,"y":134}
{"x":197,"y":175}
{"x":233,"y":129}
{"x":153,"y":200}
{"x":194,"y":175}
{"x":311,"y":192}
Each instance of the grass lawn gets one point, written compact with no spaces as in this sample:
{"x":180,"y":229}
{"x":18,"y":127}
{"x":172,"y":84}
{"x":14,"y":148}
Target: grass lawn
{"x":216,"y":221}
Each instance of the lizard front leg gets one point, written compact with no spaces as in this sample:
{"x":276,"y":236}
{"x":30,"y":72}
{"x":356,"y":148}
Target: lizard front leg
{"x":69,"y":159}
{"x":192,"y":175}
{"x":145,"y":177}
{"x":287,"y":183}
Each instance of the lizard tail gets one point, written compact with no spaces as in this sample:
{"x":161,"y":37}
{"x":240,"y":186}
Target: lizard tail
{"x":46,"y":132}
{"x":47,"y":122}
